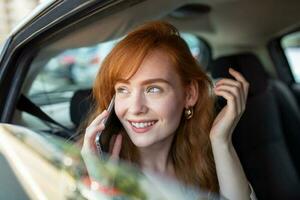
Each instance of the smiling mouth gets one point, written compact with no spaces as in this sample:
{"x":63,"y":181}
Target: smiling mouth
{"x":142,"y":124}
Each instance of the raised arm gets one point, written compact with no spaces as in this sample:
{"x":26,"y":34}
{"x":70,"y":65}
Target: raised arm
{"x":232,"y":180}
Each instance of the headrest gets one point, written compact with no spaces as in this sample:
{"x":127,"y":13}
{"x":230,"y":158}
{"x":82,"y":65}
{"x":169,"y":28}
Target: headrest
{"x":247,"y":64}
{"x":80,"y":105}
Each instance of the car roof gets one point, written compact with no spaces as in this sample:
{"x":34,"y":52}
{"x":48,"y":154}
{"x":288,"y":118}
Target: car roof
{"x":228,"y":22}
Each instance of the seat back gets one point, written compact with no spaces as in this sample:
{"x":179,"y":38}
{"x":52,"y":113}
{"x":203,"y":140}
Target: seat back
{"x":80,"y":105}
{"x":259,"y":137}
{"x":290,"y":118}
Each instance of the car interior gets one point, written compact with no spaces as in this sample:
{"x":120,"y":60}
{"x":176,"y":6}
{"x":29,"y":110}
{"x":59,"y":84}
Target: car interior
{"x":56,"y":93}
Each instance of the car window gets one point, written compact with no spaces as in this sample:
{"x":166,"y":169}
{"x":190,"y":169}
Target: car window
{"x":1,"y":47}
{"x":53,"y":84}
{"x":291,"y":47}
{"x":69,"y":70}
{"x":198,"y":47}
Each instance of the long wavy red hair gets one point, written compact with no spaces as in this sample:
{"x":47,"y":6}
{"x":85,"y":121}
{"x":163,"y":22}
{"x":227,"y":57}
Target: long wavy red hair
{"x":191,"y":149}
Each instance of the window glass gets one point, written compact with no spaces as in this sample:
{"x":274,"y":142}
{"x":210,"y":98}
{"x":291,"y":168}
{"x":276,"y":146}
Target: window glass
{"x":71,"y":69}
{"x":53,"y":85}
{"x":1,"y":47}
{"x":291,"y":46}
{"x":198,"y":48}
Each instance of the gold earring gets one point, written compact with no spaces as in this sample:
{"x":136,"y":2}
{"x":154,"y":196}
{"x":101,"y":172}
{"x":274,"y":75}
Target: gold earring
{"x":188,"y":113}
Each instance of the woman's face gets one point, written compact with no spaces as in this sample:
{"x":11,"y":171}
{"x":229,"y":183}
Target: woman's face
{"x":150,"y":103}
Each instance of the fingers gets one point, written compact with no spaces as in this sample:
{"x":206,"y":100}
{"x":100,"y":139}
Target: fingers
{"x":235,"y":94}
{"x":236,"y":88}
{"x":240,"y":78}
{"x":234,"y":91}
{"x":99,"y":118}
{"x":95,"y":127}
{"x":231,"y":101}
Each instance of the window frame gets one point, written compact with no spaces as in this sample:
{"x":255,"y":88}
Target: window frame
{"x":281,"y":41}
{"x":279,"y":58}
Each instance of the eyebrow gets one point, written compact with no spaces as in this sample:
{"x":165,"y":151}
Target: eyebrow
{"x":146,"y":82}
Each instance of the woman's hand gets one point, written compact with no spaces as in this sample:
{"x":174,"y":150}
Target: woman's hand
{"x":89,"y":150}
{"x":235,"y":92}
{"x":96,"y":126}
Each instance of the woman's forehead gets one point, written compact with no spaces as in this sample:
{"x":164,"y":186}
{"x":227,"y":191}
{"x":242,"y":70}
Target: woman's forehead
{"x":156,"y":65}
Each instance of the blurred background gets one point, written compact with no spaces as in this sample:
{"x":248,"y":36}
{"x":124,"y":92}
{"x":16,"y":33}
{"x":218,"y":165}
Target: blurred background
{"x":12,"y":12}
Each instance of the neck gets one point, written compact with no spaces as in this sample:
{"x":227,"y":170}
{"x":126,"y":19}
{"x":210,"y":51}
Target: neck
{"x":157,"y":157}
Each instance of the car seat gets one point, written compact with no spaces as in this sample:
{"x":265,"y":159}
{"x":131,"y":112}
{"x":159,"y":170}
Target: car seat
{"x":267,"y":136}
{"x":80,"y":105}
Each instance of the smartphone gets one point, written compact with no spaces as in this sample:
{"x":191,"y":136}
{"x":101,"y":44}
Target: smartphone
{"x":112,"y":127}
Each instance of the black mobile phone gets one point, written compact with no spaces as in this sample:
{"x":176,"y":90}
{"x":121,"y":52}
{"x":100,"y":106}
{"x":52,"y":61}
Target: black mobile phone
{"x":112,"y":127}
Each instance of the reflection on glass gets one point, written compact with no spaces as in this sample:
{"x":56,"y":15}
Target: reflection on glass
{"x":57,"y":171}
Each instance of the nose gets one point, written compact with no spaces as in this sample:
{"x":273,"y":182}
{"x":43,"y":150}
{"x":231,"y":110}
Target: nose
{"x":138,"y":104}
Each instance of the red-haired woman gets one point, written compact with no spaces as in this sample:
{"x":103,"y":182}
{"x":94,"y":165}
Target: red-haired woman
{"x":165,"y":103}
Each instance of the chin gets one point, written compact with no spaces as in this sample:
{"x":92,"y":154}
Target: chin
{"x":141,"y":143}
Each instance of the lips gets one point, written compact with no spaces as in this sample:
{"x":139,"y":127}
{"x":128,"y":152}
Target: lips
{"x":141,"y":126}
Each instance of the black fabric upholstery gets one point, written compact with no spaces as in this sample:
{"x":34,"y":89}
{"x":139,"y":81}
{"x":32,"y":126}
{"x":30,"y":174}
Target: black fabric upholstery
{"x":260,"y":144}
{"x":80,"y":105}
{"x":246,"y":63}
{"x":290,"y":118}
{"x":260,"y":137}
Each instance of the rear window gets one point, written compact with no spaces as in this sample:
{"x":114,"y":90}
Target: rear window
{"x":291,"y":47}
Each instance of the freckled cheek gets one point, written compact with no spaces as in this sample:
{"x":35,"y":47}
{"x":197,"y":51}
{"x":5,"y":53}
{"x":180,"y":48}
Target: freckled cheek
{"x":120,"y":108}
{"x":169,"y":109}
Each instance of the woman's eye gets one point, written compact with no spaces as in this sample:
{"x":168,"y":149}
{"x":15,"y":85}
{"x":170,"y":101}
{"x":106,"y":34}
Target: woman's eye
{"x":122,"y":90}
{"x":154,"y":90}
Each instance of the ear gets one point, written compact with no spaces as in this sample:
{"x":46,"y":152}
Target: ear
{"x":191,"y":94}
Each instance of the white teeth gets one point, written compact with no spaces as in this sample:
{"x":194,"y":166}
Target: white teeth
{"x":142,"y":125}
